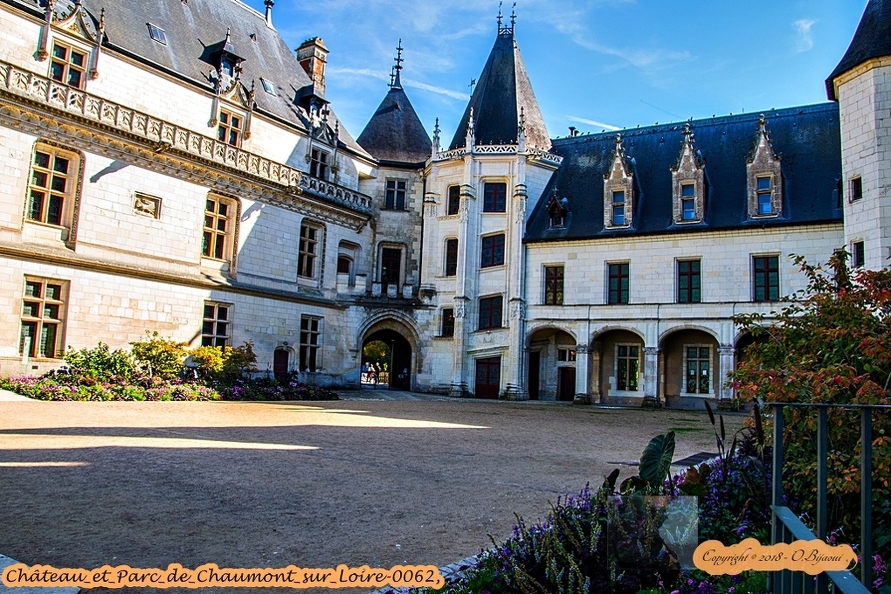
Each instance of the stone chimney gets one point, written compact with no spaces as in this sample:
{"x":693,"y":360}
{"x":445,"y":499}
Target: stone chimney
{"x":313,"y":55}
{"x":269,"y":4}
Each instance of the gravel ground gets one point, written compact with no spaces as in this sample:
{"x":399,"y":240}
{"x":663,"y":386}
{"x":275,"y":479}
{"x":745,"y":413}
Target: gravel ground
{"x":373,"y":480}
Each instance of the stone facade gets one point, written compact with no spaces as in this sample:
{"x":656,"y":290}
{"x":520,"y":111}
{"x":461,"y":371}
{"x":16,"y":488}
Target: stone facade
{"x":497,"y":268}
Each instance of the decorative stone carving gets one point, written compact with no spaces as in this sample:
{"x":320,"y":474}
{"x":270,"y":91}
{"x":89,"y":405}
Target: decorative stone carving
{"x":688,"y":182}
{"x":764,"y":175}
{"x":618,"y":190}
{"x":517,"y":309}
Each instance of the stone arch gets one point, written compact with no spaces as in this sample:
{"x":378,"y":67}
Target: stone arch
{"x":615,"y":327}
{"x":400,"y":333}
{"x":551,"y":362}
{"x":691,"y":360}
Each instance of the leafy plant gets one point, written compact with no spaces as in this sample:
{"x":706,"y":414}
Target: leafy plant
{"x":160,"y":356}
{"x":100,"y":363}
{"x":830,"y":343}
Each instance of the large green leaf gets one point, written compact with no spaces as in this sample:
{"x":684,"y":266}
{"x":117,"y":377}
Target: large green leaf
{"x":655,"y":462}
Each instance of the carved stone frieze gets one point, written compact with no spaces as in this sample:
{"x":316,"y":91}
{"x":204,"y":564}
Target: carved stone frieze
{"x":48,"y":109}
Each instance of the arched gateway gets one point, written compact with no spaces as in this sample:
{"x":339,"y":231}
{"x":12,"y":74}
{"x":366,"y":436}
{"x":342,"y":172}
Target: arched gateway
{"x":389,"y":355}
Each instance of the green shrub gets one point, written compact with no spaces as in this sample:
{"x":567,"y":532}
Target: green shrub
{"x":162,"y":356}
{"x":101,"y":363}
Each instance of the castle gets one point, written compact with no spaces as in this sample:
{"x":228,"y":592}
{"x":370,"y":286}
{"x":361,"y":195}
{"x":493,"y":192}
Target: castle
{"x":178,"y":169}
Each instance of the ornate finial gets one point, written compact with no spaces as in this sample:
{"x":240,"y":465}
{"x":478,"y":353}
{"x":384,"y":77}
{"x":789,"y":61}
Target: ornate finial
{"x":521,"y":128}
{"x":762,"y":125}
{"x":688,"y":131}
{"x":392,"y":76}
{"x":513,"y":16}
{"x":471,"y":85}
{"x":228,"y":35}
{"x":436,"y":129}
{"x":499,"y":16}
{"x":397,"y":83}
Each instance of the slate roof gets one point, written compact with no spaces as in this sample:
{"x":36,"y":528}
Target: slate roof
{"x":501,"y":89}
{"x":871,"y":40}
{"x":193,"y":30}
{"x":806,"y":138}
{"x":394,"y":133}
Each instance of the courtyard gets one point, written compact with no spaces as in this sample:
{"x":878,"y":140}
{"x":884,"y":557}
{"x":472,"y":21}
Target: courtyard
{"x":361,"y":481}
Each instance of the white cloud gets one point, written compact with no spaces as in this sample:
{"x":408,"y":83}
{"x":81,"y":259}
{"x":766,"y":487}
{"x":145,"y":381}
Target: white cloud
{"x":406,"y":82}
{"x":804,"y":36}
{"x":594,"y":123}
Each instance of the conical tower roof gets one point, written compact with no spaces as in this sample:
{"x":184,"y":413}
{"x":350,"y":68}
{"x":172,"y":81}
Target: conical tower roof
{"x":871,"y":40}
{"x":501,"y":90}
{"x":394,"y":134}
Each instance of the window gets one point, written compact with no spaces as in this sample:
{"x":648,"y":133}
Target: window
{"x":395,"y":194}
{"x":689,"y":281}
{"x":688,"y":202}
{"x":217,"y":321}
{"x":454,"y":200}
{"x":310,"y":337}
{"x":227,"y":66}
{"x":268,"y":86}
{"x":557,"y":220}
{"x":766,"y":281}
{"x":451,"y":257}
{"x":856,"y":189}
{"x":68,"y":65}
{"x":308,"y":251}
{"x":344,"y":265}
{"x":618,"y":208}
{"x":447,"y":327}
{"x":764,"y":189}
{"x":229,"y":128}
{"x":490,"y":312}
{"x":53,"y":185}
{"x":391,"y":268}
{"x":492,"y":252}
{"x":565,"y":355}
{"x":627,"y":367}
{"x":857,"y":254}
{"x":43,"y":318}
{"x":157,"y":34}
{"x":318,"y":164}
{"x":495,"y":197}
{"x":698,"y":365}
{"x":618,"y":283}
{"x":219,"y":216}
{"x":553,"y":285}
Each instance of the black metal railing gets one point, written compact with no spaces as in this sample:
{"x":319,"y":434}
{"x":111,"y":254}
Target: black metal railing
{"x":788,"y":528}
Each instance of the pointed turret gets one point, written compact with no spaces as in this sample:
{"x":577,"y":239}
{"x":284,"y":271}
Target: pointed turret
{"x":502,"y":90}
{"x":394,"y":134}
{"x":871,"y":40}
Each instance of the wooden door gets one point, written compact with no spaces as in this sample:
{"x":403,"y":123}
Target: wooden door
{"x":488,"y":377}
{"x":566,"y":383}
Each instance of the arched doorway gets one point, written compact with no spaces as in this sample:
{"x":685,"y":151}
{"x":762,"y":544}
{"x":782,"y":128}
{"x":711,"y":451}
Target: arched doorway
{"x":550,"y":373}
{"x":386,"y":361}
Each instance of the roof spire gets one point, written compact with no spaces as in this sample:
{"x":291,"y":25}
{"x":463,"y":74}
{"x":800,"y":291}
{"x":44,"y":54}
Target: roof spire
{"x":499,"y":16}
{"x":396,"y":82}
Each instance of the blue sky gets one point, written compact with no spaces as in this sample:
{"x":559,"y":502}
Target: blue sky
{"x":594,"y":64}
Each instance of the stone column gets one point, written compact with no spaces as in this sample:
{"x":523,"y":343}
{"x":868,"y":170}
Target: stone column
{"x":582,"y":374}
{"x":595,"y":393}
{"x":725,"y":366}
{"x":651,"y":377}
{"x":515,"y":386}
{"x":459,"y":381}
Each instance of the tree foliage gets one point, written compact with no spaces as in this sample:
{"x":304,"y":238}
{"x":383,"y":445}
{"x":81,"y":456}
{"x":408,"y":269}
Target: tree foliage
{"x":831,"y":343}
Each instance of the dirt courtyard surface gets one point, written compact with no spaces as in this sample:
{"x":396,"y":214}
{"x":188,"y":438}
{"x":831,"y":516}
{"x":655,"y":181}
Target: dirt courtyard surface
{"x":360,"y":482}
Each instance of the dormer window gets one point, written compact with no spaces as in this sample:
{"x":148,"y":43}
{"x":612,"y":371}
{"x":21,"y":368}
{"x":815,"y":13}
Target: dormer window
{"x":558,"y":210}
{"x":764,"y":176}
{"x":688,"y":182}
{"x":618,"y":209}
{"x":688,"y":202}
{"x":68,"y":65}
{"x":318,"y":164}
{"x":229,"y":129}
{"x":764,"y":189}
{"x":618,"y":189}
{"x":227,"y":66}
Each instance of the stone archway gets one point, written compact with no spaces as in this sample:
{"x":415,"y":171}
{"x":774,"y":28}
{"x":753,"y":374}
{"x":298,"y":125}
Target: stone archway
{"x":397,"y":338}
{"x":391,"y":370}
